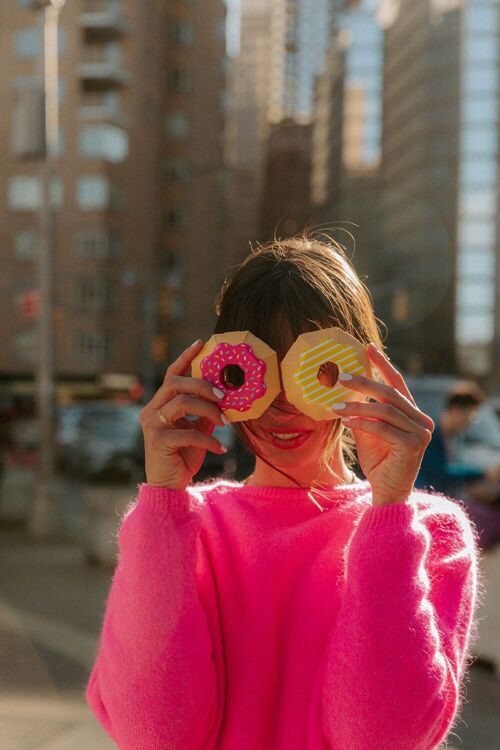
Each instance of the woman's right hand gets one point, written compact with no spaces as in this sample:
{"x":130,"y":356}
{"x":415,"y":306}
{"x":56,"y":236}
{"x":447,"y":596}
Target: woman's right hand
{"x":174,"y":451}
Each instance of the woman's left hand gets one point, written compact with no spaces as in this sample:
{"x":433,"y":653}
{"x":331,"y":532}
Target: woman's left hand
{"x":391,"y":434}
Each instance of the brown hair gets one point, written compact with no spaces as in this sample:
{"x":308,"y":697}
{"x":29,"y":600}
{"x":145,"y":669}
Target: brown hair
{"x":288,"y":287}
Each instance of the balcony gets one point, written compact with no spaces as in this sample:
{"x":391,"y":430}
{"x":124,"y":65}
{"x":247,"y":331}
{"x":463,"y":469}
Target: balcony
{"x":103,"y":19}
{"x":101,"y":68}
{"x":102,"y":106}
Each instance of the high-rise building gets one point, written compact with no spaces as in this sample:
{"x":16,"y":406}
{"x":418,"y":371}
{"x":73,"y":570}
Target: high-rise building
{"x":137,"y":186}
{"x":247,"y":127}
{"x":347,"y":129}
{"x":440,"y":171}
{"x":300,"y":36}
{"x":405,"y":146}
{"x":346,"y":143}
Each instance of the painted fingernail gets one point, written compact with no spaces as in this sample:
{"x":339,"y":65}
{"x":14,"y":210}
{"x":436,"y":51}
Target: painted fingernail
{"x":224,"y":419}
{"x":217,"y":392}
{"x":195,"y":343}
{"x":345,"y":376}
{"x":340,"y":405}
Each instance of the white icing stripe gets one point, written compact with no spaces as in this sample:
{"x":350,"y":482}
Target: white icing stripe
{"x":356,"y":370}
{"x":304,"y":372}
{"x":325,"y":342}
{"x":329,"y":349}
{"x":328,"y":398}
{"x":351,"y":365}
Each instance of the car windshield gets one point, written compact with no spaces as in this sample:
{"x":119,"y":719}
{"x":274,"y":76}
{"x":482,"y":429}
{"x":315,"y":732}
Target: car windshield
{"x":111,"y":424}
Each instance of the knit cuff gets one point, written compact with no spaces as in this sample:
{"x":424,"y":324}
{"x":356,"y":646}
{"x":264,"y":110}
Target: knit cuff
{"x":390,"y":516}
{"x":164,"y":501}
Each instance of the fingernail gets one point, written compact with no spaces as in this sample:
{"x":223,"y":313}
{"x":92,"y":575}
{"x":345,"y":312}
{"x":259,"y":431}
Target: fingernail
{"x":217,"y":392}
{"x":340,"y":405}
{"x":223,"y":448}
{"x":224,"y":419}
{"x":345,"y":376}
{"x":195,"y":343}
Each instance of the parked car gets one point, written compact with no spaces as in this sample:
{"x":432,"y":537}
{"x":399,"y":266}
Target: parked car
{"x":69,"y":417}
{"x":479,"y":444}
{"x":109,"y":445}
{"x":495,"y":400}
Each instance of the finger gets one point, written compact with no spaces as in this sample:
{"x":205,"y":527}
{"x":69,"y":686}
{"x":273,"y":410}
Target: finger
{"x":391,"y":375}
{"x":194,"y":439}
{"x":384,"y":431}
{"x":385,"y":412}
{"x":184,"y":404}
{"x":182,"y":363}
{"x":175,"y":384}
{"x":387,"y":394}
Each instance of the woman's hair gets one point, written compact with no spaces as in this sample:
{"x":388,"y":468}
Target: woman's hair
{"x":293,"y":286}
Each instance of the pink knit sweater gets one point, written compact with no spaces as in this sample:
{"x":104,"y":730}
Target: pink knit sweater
{"x":243,"y":618}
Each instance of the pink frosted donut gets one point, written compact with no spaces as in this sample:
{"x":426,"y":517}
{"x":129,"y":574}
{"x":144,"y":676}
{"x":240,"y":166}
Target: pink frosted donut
{"x":240,"y":398}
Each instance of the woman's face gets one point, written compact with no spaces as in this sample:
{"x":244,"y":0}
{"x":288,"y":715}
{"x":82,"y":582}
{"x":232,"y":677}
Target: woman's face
{"x":286,"y":438}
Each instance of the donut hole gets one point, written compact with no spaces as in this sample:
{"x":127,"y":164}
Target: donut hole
{"x":328,"y":374}
{"x":232,"y":376}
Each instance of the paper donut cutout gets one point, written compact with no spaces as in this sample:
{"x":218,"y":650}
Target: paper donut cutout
{"x":258,"y":363}
{"x":303,"y":361}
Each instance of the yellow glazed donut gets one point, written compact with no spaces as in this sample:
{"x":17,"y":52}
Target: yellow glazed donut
{"x":258,"y":364}
{"x":302,"y":363}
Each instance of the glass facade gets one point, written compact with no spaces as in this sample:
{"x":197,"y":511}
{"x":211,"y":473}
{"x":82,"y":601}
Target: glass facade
{"x":301,"y":33}
{"x":478,"y":185}
{"x":362,"y":125}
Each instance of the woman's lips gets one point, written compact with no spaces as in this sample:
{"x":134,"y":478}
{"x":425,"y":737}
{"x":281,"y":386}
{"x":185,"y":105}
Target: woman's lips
{"x":293,"y":439}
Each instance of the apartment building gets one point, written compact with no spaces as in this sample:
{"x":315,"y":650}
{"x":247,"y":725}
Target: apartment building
{"x":136,"y":190}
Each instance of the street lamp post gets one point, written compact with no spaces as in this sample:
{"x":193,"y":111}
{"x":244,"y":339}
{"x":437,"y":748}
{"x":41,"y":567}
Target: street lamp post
{"x":43,"y":520}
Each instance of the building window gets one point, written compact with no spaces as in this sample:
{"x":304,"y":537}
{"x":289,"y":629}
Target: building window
{"x":28,"y":42}
{"x":93,"y":192}
{"x":476,"y":294}
{"x":178,"y":125}
{"x":474,"y":327}
{"x":479,"y":203}
{"x":94,"y":348}
{"x":176,"y":170}
{"x":94,"y":295}
{"x":103,"y":142}
{"x":181,"y":32}
{"x":180,"y":80}
{"x":25,"y":193}
{"x":476,"y":263}
{"x":176,"y":217}
{"x":26,"y":244}
{"x":26,"y":346}
{"x":98,"y":244}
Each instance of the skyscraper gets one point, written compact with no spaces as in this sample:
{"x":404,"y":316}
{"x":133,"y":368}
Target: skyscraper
{"x":440,"y":171}
{"x":300,"y":35}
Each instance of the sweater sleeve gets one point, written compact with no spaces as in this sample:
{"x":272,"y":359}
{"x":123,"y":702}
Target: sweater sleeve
{"x":391,"y":676}
{"x":154,"y":684}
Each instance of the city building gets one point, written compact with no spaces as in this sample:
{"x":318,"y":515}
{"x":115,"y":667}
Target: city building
{"x":300,"y":36}
{"x":440,"y":176}
{"x":247,"y":128}
{"x":347,"y":144}
{"x":137,"y":191}
{"x":405,"y":146}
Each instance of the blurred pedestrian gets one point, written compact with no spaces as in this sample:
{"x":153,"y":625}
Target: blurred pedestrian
{"x":477,"y":488}
{"x":302,"y":607}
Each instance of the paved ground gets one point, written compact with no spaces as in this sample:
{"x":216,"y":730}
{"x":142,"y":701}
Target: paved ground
{"x":51,"y":607}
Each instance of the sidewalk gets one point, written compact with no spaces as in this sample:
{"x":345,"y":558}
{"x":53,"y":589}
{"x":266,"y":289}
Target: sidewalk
{"x":51,"y":608}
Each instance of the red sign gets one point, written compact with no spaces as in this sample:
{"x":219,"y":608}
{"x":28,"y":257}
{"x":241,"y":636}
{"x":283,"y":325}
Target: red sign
{"x":29,"y":303}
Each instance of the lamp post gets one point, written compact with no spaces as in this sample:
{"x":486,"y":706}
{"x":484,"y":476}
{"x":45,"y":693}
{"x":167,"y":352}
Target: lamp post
{"x":43,"y":521}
